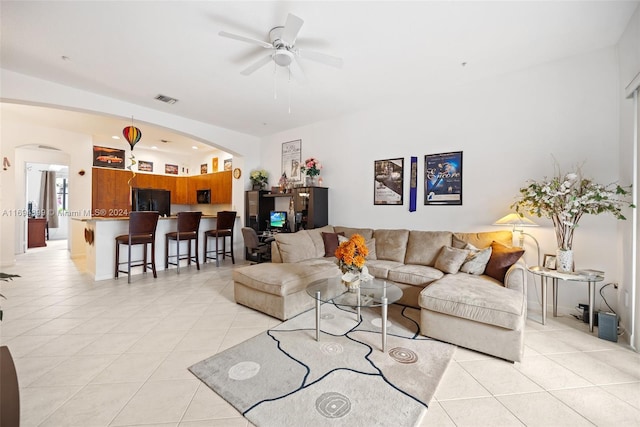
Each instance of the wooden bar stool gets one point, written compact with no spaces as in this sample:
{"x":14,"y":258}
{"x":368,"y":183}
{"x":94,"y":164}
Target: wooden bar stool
{"x":188,"y":224}
{"x":142,"y":231}
{"x":225,"y":222}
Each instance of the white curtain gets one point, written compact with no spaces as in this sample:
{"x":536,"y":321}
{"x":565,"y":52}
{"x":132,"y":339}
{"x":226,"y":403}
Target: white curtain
{"x":48,"y":199}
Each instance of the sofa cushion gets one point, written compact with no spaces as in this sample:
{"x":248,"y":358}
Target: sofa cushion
{"x":330,"y":243}
{"x":391,"y":245}
{"x":451,"y":259}
{"x":284,"y":279}
{"x":484,"y":239}
{"x":477,"y":298}
{"x":502,"y":258}
{"x":367,"y":233}
{"x":295,"y":247}
{"x":380,"y":268}
{"x":477,"y":260}
{"x":316,"y":238}
{"x":424,"y":247}
{"x":416,"y":275}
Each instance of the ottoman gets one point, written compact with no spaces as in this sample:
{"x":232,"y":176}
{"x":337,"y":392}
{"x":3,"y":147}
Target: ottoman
{"x":278,"y":289}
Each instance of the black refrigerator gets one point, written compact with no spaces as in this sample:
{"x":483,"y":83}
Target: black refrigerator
{"x":151,"y":199}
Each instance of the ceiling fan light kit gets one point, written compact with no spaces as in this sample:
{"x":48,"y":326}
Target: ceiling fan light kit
{"x":283,"y":57}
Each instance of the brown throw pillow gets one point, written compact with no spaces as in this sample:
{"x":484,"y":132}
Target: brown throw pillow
{"x":502,"y":258}
{"x":330,"y":243}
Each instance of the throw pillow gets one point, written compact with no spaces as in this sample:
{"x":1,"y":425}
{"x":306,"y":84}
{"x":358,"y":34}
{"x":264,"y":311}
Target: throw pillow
{"x":330,"y":243}
{"x":477,"y":260}
{"x":502,"y":258}
{"x":458,"y":242}
{"x":371,"y":245}
{"x":450,"y":259}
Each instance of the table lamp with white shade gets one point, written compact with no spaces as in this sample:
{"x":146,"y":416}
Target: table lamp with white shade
{"x":518,"y":222}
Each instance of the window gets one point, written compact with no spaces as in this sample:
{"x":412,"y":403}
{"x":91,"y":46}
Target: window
{"x":62,"y":193}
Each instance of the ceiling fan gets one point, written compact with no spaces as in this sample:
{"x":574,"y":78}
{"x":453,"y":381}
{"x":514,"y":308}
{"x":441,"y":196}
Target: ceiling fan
{"x":283,"y":49}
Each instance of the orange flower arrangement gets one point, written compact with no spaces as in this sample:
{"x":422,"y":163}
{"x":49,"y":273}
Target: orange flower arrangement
{"x":351,"y":254}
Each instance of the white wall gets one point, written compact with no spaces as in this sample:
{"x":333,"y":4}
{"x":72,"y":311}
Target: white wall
{"x":629,"y":63}
{"x":508,"y":129}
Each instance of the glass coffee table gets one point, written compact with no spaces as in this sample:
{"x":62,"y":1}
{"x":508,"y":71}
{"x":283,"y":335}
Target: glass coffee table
{"x":372,"y":293}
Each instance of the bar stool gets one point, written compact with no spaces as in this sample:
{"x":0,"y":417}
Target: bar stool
{"x":142,"y":231}
{"x":225,"y":222}
{"x":188,"y":224}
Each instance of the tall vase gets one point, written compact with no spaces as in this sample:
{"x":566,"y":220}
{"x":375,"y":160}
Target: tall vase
{"x":310,"y":181}
{"x":564,"y":260}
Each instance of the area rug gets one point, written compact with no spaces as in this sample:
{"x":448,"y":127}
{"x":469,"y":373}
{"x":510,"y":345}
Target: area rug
{"x":284,"y":377}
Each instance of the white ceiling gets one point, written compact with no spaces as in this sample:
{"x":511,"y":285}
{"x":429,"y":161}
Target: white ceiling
{"x":135,"y":50}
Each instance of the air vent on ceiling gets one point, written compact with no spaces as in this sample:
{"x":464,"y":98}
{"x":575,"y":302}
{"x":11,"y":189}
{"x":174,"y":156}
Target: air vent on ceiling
{"x":166,"y":99}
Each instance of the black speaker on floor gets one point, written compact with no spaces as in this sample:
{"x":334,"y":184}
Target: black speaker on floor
{"x":608,"y":326}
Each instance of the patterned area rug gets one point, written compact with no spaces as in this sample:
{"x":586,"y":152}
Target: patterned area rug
{"x":284,"y":377}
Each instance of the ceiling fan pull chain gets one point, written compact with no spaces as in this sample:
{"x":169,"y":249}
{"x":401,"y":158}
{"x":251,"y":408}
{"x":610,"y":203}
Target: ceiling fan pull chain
{"x":275,"y":85}
{"x":289,"y":88}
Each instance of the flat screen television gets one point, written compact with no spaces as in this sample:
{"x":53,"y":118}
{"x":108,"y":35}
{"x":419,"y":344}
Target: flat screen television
{"x":277,"y":219}
{"x":151,"y":199}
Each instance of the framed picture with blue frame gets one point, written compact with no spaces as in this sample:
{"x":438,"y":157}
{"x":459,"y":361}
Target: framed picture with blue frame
{"x":443,"y":179}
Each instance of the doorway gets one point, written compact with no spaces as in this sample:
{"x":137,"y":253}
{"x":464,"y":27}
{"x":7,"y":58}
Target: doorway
{"x":41,"y":226}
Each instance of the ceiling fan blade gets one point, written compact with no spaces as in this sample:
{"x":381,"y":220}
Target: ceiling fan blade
{"x":246,"y":39}
{"x":291,"y":29}
{"x":333,"y":61}
{"x":258,"y":64}
{"x":296,"y":71}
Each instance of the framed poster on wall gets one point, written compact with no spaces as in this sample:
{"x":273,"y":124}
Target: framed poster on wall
{"x":388,"y":182}
{"x":144,"y":166}
{"x":443,"y":179}
{"x":291,"y":160}
{"x":171,"y":169}
{"x":108,"y":157}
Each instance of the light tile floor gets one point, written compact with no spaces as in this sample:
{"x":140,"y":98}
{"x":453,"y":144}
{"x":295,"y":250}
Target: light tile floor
{"x":110,"y":353}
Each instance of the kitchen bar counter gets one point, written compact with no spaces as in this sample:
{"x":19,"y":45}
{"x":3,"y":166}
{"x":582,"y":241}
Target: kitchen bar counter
{"x":100,"y":245}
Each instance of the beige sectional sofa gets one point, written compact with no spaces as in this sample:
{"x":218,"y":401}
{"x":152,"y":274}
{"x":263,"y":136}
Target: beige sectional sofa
{"x":465,"y":308}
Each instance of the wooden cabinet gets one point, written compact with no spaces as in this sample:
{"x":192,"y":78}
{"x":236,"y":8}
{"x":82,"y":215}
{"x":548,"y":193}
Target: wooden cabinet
{"x":110,"y":192}
{"x":36,"y":232}
{"x":256,"y":209}
{"x":111,"y":187}
{"x":311,"y":207}
{"x":221,"y":187}
{"x":182,"y":191}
